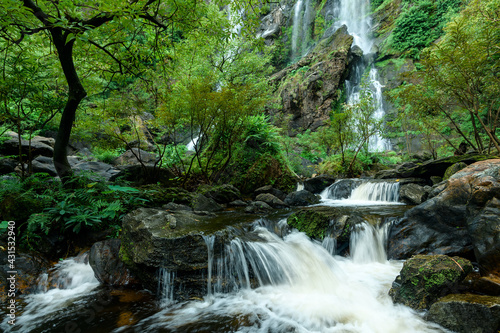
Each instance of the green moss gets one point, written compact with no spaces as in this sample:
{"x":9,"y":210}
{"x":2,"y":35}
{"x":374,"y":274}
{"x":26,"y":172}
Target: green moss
{"x":312,"y":223}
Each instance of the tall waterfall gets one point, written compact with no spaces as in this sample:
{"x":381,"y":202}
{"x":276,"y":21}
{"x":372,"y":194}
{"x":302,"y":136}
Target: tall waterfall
{"x":300,"y":30}
{"x":354,"y":14}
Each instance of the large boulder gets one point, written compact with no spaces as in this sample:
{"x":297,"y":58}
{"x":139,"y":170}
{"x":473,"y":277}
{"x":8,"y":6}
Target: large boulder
{"x":271,"y":200}
{"x":301,"y":198}
{"x":443,"y":224}
{"x":178,"y":242}
{"x":270,"y":190}
{"x":7,"y":165}
{"x":424,"y":279}
{"x":38,"y":146}
{"x":202,"y":203}
{"x":318,"y":183}
{"x":108,"y":268}
{"x":342,"y":188}
{"x":453,"y":169}
{"x":466,"y":313}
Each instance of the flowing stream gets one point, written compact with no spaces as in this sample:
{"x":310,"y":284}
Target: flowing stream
{"x":355,"y":192}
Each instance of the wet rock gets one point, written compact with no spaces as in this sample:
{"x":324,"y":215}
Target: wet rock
{"x":424,"y":279}
{"x":465,"y":313}
{"x":318,"y":183}
{"x":301,"y":198}
{"x":238,"y":203}
{"x":343,"y":188}
{"x":440,"y":224}
{"x":222,"y":194}
{"x":148,"y":242}
{"x":484,"y":230}
{"x":271,"y":200}
{"x":29,"y":267}
{"x":202,"y":203}
{"x":453,"y":169}
{"x":135,"y":156}
{"x":108,"y":268}
{"x":258,"y":207}
{"x":413,"y":194}
{"x":271,"y":190}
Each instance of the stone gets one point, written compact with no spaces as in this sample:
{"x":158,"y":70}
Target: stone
{"x":440,"y":225}
{"x":318,"y":183}
{"x":413,"y":194}
{"x":301,"y":198}
{"x":36,"y":148}
{"x":222,"y":194}
{"x":484,"y":229}
{"x":342,"y":188}
{"x":238,"y":203}
{"x":148,"y":243}
{"x":144,"y":174}
{"x":7,"y":165}
{"x":136,"y":156}
{"x":425,"y":278}
{"x":108,"y":268}
{"x":453,"y":169}
{"x":271,"y":190}
{"x":256,"y":207}
{"x":176,"y":207}
{"x":202,"y":203}
{"x":271,"y":200}
{"x":466,"y":313}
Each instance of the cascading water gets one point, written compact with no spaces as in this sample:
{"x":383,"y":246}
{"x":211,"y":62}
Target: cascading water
{"x":70,"y":280}
{"x":300,"y":29}
{"x":166,"y":286}
{"x":291,"y":284}
{"x":354,"y":14}
{"x":350,"y":192}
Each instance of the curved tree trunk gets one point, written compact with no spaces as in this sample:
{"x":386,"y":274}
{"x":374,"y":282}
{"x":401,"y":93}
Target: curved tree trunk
{"x":76,"y":93}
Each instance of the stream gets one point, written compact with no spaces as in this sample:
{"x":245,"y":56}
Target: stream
{"x":266,"y":283}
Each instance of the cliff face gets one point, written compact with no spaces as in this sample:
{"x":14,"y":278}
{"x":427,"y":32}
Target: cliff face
{"x":307,"y":89}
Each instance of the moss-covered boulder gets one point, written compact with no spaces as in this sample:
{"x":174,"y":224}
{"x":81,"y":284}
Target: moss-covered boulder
{"x":176,"y":241}
{"x":424,"y":279}
{"x":222,"y":194}
{"x":159,"y":195}
{"x":466,"y":313}
{"x":453,"y":169}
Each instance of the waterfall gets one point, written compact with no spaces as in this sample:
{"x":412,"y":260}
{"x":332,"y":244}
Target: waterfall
{"x":191,"y":146}
{"x":302,"y":19}
{"x":354,"y":14}
{"x":300,"y":186}
{"x":166,"y":286}
{"x":356,"y":192}
{"x":62,"y":287}
{"x":368,"y":243}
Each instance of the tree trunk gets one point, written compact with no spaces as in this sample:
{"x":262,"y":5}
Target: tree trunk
{"x":76,"y":93}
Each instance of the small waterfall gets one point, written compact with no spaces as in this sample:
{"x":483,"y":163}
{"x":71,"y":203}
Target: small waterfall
{"x":300,"y":186}
{"x":368,"y":243}
{"x":166,"y":286}
{"x":69,"y":280}
{"x":379,"y":191}
{"x":330,"y":245}
{"x":210,"y":240}
{"x":191,"y":146}
{"x":358,"y":192}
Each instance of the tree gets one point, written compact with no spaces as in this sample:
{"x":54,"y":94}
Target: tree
{"x":100,"y":24}
{"x":218,"y":83}
{"x":460,"y":76}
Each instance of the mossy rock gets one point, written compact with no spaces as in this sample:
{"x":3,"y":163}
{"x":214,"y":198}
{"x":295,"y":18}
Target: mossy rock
{"x":267,"y":170}
{"x":453,"y":169}
{"x":314,"y":224}
{"x":159,"y":195}
{"x":426,"y":278}
{"x":19,"y":207}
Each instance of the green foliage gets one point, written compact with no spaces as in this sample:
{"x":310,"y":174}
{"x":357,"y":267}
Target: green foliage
{"x":107,"y":155}
{"x":421,"y":23}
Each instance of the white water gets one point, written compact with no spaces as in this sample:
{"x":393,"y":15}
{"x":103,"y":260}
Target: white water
{"x":363,"y":194}
{"x":191,"y":146}
{"x":354,"y":14}
{"x":300,"y":287}
{"x":166,"y":286}
{"x":300,"y":186}
{"x":300,"y":29}
{"x":73,"y":279}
